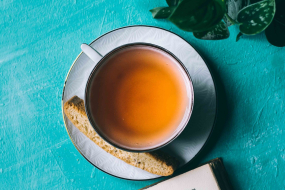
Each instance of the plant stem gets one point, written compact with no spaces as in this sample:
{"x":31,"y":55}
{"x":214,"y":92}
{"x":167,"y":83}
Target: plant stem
{"x":231,"y":20}
{"x":238,"y":36}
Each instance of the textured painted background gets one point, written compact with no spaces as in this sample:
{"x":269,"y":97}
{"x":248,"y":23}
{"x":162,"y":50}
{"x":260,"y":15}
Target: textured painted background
{"x":39,"y":41}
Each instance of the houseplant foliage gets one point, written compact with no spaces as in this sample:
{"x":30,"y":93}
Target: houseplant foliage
{"x":210,"y":19}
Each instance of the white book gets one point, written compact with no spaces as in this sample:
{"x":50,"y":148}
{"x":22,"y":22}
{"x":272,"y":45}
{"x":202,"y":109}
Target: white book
{"x":210,"y":176}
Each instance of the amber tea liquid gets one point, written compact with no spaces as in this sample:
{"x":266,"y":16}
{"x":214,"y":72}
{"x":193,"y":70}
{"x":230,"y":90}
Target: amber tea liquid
{"x":138,"y":96}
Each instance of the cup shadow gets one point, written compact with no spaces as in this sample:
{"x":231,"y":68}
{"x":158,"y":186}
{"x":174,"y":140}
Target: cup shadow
{"x":222,"y":113}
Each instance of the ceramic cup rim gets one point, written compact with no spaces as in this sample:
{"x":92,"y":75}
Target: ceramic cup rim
{"x":87,"y":105}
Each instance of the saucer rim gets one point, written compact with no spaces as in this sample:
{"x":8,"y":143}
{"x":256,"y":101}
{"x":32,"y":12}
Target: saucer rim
{"x":216,"y":97}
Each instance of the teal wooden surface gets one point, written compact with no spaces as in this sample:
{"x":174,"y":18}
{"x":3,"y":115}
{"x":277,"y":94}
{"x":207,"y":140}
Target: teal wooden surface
{"x":39,"y":41}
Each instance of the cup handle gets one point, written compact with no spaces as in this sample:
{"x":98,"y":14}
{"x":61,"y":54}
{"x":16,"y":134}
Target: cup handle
{"x":91,"y":53}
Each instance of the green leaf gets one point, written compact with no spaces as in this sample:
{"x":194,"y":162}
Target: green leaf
{"x":162,"y":12}
{"x":172,"y":2}
{"x":219,"y":32}
{"x":275,"y":33}
{"x":256,"y":17}
{"x":197,"y":15}
{"x":238,"y":36}
{"x":232,"y":9}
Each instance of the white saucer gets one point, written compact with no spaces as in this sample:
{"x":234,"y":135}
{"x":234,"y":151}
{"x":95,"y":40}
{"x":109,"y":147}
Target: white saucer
{"x":196,"y":133}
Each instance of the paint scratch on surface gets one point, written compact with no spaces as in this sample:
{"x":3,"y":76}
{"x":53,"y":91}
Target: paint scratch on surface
{"x":58,"y":165}
{"x":11,"y":56}
{"x":57,"y":145}
{"x":103,"y":20}
{"x":43,"y":100}
{"x":92,"y":173}
{"x":259,"y":113}
{"x":28,"y":159}
{"x":128,"y":19}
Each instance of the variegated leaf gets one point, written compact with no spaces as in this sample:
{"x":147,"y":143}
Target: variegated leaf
{"x":255,"y":18}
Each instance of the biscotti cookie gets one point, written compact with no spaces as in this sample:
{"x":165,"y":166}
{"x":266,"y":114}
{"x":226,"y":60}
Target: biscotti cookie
{"x":155,"y":162}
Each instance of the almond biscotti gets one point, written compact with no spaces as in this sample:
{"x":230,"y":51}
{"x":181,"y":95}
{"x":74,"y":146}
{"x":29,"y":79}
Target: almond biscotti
{"x":155,"y":162}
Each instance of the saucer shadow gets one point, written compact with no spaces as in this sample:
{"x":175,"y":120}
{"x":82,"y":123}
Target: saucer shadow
{"x":221,"y":115}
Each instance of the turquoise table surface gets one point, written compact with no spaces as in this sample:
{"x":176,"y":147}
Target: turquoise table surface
{"x":39,"y":41}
